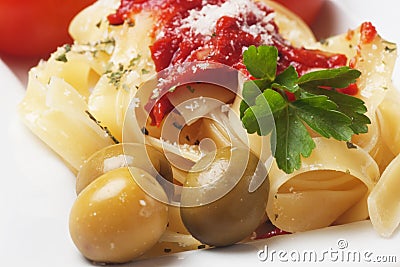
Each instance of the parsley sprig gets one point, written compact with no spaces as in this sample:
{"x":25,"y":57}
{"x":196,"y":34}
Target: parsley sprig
{"x":266,"y":109}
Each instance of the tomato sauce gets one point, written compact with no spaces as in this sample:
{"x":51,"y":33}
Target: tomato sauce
{"x":271,"y":233}
{"x":176,"y":41}
{"x":368,"y":32}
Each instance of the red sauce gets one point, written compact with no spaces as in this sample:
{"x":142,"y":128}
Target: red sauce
{"x":349,"y":35}
{"x":352,"y":89}
{"x":174,"y":43}
{"x":162,"y":107}
{"x":368,"y":32}
{"x":274,"y":232}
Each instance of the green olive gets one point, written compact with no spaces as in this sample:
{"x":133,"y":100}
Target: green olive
{"x":175,"y":223}
{"x":114,"y":221}
{"x":123,"y":155}
{"x":225,"y":196}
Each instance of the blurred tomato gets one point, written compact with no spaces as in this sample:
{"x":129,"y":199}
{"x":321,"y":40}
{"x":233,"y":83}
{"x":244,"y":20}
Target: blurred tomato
{"x":35,"y":28}
{"x":306,"y":9}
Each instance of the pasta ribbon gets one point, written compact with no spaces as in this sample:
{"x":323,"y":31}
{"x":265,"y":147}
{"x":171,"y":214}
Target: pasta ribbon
{"x":58,"y":105}
{"x":389,"y":114}
{"x":376,"y":62}
{"x":331,"y":187}
{"x":91,"y":24}
{"x":384,"y":200}
{"x":291,"y":27}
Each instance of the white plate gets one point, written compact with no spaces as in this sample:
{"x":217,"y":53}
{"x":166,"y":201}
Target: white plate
{"x":37,"y":190}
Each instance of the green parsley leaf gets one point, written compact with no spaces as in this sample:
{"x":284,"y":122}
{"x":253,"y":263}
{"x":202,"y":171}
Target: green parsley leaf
{"x":261,"y":62}
{"x":275,"y":101}
{"x":351,"y":106}
{"x":287,"y":80}
{"x":250,"y":92}
{"x":265,"y":108}
{"x":259,"y":118}
{"x":252,"y":89}
{"x":63,"y":56}
{"x":337,"y":78}
{"x":242,"y":109}
{"x":292,"y":140}
{"x":327,"y":122}
{"x":134,"y":60}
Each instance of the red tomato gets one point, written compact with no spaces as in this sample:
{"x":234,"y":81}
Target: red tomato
{"x":34,"y":28}
{"x":306,"y":9}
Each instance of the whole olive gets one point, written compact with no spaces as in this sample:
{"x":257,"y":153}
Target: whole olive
{"x":224,"y":197}
{"x":114,"y":221}
{"x":175,"y":223}
{"x":123,"y":155}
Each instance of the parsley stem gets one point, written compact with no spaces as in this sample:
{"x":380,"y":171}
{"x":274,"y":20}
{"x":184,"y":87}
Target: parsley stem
{"x":282,"y":93}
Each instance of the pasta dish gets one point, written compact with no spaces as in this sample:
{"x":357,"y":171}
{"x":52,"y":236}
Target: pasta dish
{"x":194,"y":124}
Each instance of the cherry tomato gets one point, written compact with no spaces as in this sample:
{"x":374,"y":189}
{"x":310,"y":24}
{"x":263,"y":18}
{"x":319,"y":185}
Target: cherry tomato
{"x":34,"y":28}
{"x":306,"y":9}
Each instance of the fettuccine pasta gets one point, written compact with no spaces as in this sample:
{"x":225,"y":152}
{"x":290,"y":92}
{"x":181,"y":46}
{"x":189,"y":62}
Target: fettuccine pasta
{"x":95,"y":93}
{"x":329,"y":188}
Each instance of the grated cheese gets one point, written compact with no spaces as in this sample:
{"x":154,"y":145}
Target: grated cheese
{"x":204,"y":21}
